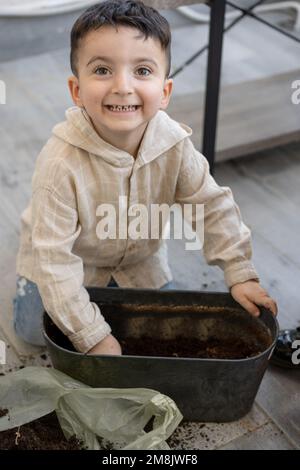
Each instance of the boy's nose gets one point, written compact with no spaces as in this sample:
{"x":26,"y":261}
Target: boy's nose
{"x":122,"y":84}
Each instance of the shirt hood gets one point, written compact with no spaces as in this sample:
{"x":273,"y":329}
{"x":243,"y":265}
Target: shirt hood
{"x":161,"y":134}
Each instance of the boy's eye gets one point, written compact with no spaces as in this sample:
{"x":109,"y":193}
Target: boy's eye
{"x":101,"y":71}
{"x":144,"y":70}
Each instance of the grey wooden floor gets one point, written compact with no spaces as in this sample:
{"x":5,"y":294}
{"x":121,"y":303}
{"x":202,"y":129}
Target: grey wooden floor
{"x":266,"y":187}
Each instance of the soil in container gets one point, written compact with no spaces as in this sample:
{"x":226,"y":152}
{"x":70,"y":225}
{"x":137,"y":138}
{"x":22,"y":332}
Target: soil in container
{"x":247,"y":343}
{"x":190,"y":347}
{"x":42,"y":434}
{"x":213,"y":348}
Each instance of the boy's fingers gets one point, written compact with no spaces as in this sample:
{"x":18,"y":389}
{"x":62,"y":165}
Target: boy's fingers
{"x":249,"y":306}
{"x":270,"y":304}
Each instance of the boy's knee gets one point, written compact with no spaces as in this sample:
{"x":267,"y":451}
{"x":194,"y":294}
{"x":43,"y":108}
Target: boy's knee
{"x":31,"y":334}
{"x":28,"y":313}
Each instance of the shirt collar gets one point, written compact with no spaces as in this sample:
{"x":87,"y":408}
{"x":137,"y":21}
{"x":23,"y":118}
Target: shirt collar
{"x":161,"y":134}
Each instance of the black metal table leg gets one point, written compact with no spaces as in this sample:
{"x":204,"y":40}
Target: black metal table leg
{"x":217,"y":16}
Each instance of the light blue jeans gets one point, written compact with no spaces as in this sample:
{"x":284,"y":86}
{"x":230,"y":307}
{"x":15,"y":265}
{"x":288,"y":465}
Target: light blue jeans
{"x":28,"y":310}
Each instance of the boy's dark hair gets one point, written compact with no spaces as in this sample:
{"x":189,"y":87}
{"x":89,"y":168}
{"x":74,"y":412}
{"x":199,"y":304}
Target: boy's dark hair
{"x":121,"y":12}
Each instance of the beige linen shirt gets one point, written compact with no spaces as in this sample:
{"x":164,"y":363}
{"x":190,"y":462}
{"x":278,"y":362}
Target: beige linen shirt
{"x":75,"y":173}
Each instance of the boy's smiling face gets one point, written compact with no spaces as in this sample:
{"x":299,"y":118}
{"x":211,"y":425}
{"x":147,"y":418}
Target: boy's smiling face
{"x":120,"y":67}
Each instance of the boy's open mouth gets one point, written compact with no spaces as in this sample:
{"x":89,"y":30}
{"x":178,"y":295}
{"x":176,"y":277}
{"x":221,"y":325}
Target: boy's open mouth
{"x":122,"y":109}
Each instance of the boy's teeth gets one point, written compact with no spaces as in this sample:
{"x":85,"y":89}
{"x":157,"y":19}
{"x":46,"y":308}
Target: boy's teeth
{"x":122,"y":108}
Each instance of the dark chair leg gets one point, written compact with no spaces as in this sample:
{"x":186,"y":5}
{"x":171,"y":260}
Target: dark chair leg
{"x":217,"y":16}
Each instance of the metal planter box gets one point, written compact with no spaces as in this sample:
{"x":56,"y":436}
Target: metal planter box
{"x":207,"y":390}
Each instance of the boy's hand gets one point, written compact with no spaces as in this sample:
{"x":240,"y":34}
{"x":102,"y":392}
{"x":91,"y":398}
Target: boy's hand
{"x":109,"y":345}
{"x":250,"y":294}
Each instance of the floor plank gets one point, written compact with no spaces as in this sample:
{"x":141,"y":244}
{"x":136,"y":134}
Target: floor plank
{"x":268,"y":214}
{"x":208,"y":436}
{"x":279,"y":397}
{"x":267,"y":437}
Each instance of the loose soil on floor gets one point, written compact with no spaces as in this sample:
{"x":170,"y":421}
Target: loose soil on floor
{"x":42,"y":434}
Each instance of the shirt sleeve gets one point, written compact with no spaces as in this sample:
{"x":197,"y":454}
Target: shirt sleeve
{"x":59,"y":273}
{"x":227,"y":240}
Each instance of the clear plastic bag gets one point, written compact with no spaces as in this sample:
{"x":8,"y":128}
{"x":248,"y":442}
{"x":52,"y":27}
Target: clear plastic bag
{"x":116,"y":415}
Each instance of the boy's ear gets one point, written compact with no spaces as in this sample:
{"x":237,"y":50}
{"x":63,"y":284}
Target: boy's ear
{"x":167,"y":91}
{"x":73,"y":84}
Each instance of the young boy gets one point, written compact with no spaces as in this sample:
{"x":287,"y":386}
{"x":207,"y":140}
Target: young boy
{"x":118,"y":141}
